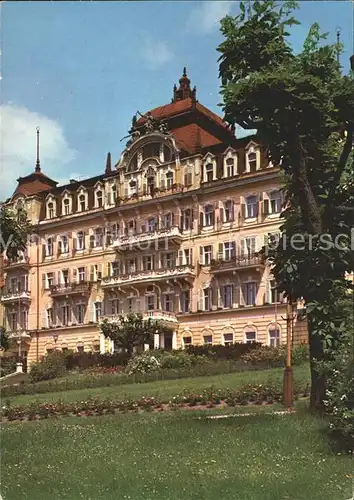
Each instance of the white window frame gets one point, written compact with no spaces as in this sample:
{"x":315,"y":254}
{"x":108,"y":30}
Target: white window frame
{"x":226,"y":293}
{"x":275,"y":202}
{"x":228,"y":341}
{"x":207,"y":335}
{"x":208,"y":214}
{"x":49,"y":247}
{"x":66,"y":204}
{"x":98,"y":311}
{"x":82,"y":192}
{"x":249,"y":332}
{"x":80,"y":236}
{"x":207,"y":254}
{"x":246,"y":289}
{"x":274,"y":341}
{"x":97,"y":198}
{"x":51,"y":208}
{"x":81,"y":274}
{"x":169,"y":179}
{"x":251,"y":208}
{"x":207,"y":299}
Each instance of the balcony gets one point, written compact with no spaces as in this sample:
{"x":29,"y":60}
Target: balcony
{"x":153,"y":239}
{"x":11,"y":296}
{"x":82,"y":288}
{"x":186,"y":271}
{"x":156,"y":314}
{"x":19,"y":335}
{"x":237,"y":263}
{"x":18,"y":263}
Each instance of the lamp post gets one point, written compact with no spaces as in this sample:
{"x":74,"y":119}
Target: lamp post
{"x":19,"y":367}
{"x":55,"y":338}
{"x":288,"y":382}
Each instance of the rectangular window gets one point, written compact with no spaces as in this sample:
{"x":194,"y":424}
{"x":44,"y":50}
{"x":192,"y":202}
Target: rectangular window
{"x":187,"y":341}
{"x":131,"y":304}
{"x":14,"y":286}
{"x":151,"y":225}
{"x":13,"y":322}
{"x":228,"y":211}
{"x":150,"y":302}
{"x":228,"y":338}
{"x":184,"y":301}
{"x":168,"y":260}
{"x":49,"y":247}
{"x":207,"y":339}
{"x":80,"y":240}
{"x":148,"y":262}
{"x":81,"y":274}
{"x":209,"y":172}
{"x":251,"y":206}
{"x":65,"y":277}
{"x":230,"y":167}
{"x":131,"y":266}
{"x":207,"y":299}
{"x":250,"y":337}
{"x":207,"y":255}
{"x":250,"y":293}
{"x":115,"y":269}
{"x":229,"y":250}
{"x":50,"y":317}
{"x":187,"y":256}
{"x":169,"y":179}
{"x":113,"y":306}
{"x":226,"y":295}
{"x":187,"y":219}
{"x":167,"y":221}
{"x":208,"y":215}
{"x":98,"y":238}
{"x":98,"y":311}
{"x":168,"y":302}
{"x":50,"y":280}
{"x":66,"y":204}
{"x":65,"y":315}
{"x":80,"y":313}
{"x":274,"y":338}
{"x":248,"y":247}
{"x":275,"y":202}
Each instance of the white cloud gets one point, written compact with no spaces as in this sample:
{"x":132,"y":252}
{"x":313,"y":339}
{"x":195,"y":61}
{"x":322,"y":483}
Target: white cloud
{"x":206,"y":17}
{"x":18,"y":146}
{"x":156,"y":53}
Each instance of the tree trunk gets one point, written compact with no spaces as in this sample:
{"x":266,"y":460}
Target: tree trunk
{"x":318,"y":379}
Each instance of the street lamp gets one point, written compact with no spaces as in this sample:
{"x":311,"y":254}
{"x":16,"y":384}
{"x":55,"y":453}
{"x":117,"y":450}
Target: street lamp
{"x":288,"y":382}
{"x":55,"y":338}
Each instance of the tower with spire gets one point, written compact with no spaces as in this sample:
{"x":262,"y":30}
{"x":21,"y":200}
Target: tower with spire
{"x":184,"y":91}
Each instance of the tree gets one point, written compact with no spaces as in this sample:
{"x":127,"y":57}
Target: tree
{"x":303,"y":109}
{"x":131,"y":330}
{"x":14,"y":230}
{"x":4,"y":339}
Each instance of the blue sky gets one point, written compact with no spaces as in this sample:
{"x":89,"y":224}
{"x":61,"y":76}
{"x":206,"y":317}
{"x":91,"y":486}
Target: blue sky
{"x":80,"y":70}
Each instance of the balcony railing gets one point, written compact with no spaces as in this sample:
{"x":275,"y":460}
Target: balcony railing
{"x":242,"y":262}
{"x":16,"y":295}
{"x":153,"y":275}
{"x":155,"y":314}
{"x":83,"y":287}
{"x":19,"y":262}
{"x":19,"y":334}
{"x":157,"y":236}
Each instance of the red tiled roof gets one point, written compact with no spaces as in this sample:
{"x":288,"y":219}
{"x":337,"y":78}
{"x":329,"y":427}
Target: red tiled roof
{"x":34,"y":183}
{"x":189,"y":139}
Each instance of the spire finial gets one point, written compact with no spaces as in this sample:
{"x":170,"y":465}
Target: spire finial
{"x":108,"y":164}
{"x":38,"y":164}
{"x":184,"y":71}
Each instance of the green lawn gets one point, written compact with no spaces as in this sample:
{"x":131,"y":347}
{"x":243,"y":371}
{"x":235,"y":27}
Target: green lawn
{"x":167,"y":388}
{"x":179,"y":455}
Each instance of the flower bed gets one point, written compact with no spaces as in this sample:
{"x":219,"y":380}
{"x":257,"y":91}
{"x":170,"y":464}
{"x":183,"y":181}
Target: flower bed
{"x":208,"y":398}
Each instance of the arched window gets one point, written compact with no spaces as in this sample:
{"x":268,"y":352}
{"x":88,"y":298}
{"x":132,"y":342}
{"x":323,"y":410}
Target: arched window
{"x":133,"y":187}
{"x":252,"y":161}
{"x":230,"y":167}
{"x":99,"y":199}
{"x":50,"y":210}
{"x":151,"y":150}
{"x":186,"y":340}
{"x":250,"y":334}
{"x":66,"y":206}
{"x":82,"y":203}
{"x":274,"y":335}
{"x":209,"y":172}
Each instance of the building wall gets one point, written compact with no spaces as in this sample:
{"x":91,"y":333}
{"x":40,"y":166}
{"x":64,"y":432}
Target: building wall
{"x":120,"y":207}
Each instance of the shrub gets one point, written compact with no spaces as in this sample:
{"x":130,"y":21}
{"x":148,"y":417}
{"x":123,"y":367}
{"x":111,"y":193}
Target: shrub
{"x":340,"y":394}
{"x":7,"y":365}
{"x":50,"y":367}
{"x":275,"y":356}
{"x":179,"y":359}
{"x":85,"y":360}
{"x":234,"y":351}
{"x":143,"y":363}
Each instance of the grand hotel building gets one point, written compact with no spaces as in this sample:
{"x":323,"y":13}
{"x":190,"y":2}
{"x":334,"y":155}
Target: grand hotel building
{"x":172,"y":230}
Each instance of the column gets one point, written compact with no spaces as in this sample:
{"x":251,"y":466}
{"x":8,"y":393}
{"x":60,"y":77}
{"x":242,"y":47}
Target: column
{"x":162,"y":341}
{"x":156,"y":341}
{"x":111,"y":346}
{"x":102,"y":344}
{"x":174,"y":340}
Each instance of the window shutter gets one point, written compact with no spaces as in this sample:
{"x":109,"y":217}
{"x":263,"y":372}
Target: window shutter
{"x":257,"y":207}
{"x":180,"y":258}
{"x":92,"y":273}
{"x":221,"y":251}
{"x":59,"y":278}
{"x":265,"y":207}
{"x":243,"y":248}
{"x":233,"y":249}
{"x":232,"y":209}
{"x":191,"y":256}
{"x":222,"y":215}
{"x":44,"y":281}
{"x":267,"y":294}
{"x":201,"y":255}
{"x":44,"y":319}
{"x":92,"y":240}
{"x":99,"y":272}
{"x":163,"y":182}
{"x":237,"y":295}
{"x":60,"y":244}
{"x":173,"y":218}
{"x":43,"y":252}
{"x":201,"y":301}
{"x":201,"y":220}
{"x":213,"y":216}
{"x":243,"y":211}
{"x":75,"y":275}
